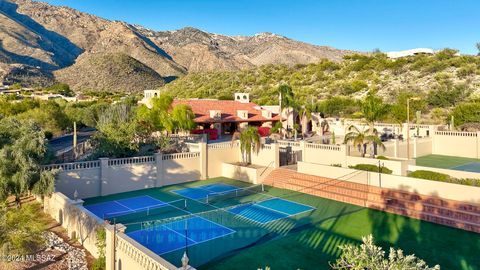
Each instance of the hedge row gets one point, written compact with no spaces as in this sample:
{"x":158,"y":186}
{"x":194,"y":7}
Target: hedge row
{"x":441,"y":177}
{"x":370,"y":168}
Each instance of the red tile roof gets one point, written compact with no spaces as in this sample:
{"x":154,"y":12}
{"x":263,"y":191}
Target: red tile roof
{"x":229,"y":108}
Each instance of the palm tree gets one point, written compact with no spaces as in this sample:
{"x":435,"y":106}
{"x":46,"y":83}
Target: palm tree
{"x":285,"y":99}
{"x":305,"y":113}
{"x":249,"y":140}
{"x":361,"y":138}
{"x":373,"y":110}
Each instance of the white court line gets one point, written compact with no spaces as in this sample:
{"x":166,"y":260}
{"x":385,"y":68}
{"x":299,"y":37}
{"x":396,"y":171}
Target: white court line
{"x":155,"y":199}
{"x":219,"y":184}
{"x":288,"y":215}
{"x":285,"y":200}
{"x":179,"y":233}
{"x":184,"y":196}
{"x":196,"y":243}
{"x":214,"y":184}
{"x":194,"y":214}
{"x":130,"y":210}
{"x":124,"y":205}
{"x":136,"y":197}
{"x":241,"y":216}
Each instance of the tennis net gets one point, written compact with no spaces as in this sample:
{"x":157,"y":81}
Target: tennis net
{"x":156,"y":209}
{"x":234,"y":194}
{"x":218,"y":215}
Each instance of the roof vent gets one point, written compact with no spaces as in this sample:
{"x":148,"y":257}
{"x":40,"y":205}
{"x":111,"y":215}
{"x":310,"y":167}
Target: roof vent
{"x":267,"y":114}
{"x":216,"y":114}
{"x":243,"y":114}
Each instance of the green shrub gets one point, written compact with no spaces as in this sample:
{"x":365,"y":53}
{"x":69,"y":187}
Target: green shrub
{"x":467,"y":181}
{"x":370,"y":168}
{"x":429,"y":175}
{"x":382,"y":157}
{"x":21,"y":229}
{"x":436,"y":176}
{"x":48,"y":135}
{"x":100,"y":263}
{"x":466,"y":113}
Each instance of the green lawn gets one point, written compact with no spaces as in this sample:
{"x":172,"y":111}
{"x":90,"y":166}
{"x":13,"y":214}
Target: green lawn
{"x":311,"y":241}
{"x":444,"y":162}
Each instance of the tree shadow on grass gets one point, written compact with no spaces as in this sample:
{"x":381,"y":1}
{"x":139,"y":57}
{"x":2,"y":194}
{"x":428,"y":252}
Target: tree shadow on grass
{"x":436,"y":244}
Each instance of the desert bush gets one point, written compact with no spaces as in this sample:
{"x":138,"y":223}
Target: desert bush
{"x":370,"y":256}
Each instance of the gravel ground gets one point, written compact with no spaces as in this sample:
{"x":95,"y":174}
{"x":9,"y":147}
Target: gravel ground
{"x":58,"y":255}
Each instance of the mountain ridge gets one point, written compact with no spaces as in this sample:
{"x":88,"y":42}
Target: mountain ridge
{"x":37,"y":35}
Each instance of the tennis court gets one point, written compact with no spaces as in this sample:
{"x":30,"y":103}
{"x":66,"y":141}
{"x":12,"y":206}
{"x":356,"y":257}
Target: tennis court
{"x":449,"y":162}
{"x":234,"y":225}
{"x":225,"y":207}
{"x":176,"y":235}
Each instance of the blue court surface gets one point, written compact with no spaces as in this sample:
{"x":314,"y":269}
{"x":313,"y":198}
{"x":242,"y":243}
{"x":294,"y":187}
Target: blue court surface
{"x":124,"y":206}
{"x":176,"y":235}
{"x":270,"y":210}
{"x":470,"y":167}
{"x":201,"y":192}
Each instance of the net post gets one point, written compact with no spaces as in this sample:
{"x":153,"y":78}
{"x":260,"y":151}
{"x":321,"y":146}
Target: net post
{"x":263,"y":187}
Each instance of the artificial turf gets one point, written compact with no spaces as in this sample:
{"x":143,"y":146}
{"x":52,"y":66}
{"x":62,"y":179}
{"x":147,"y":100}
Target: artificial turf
{"x":315,"y":241}
{"x":444,"y":162}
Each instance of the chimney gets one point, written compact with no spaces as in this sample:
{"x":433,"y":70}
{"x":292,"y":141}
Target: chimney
{"x":242,"y":97}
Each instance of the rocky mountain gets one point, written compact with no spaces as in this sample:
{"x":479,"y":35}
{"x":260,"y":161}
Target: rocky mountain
{"x":41,"y":43}
{"x":109,"y":71}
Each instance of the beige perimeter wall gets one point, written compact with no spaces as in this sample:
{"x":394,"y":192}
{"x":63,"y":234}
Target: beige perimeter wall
{"x":410,"y":184}
{"x":77,"y":220}
{"x":454,"y":143}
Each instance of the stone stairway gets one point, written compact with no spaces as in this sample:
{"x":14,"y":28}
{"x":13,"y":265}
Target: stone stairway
{"x":434,"y":209}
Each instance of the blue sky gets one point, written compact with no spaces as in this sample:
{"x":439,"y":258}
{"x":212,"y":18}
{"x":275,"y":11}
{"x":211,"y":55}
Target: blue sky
{"x":346,"y":24}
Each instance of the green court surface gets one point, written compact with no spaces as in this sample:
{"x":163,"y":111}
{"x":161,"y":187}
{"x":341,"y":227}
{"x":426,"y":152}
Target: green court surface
{"x":444,"y":162}
{"x":309,"y":240}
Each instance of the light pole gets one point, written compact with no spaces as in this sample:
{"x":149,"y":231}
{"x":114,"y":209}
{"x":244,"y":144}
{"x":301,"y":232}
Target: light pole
{"x":408,"y":125}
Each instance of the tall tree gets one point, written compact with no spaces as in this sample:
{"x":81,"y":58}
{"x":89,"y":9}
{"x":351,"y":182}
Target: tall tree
{"x":157,"y":118}
{"x":373,"y":109}
{"x":22,"y":149}
{"x":117,"y":132}
{"x":183,"y":118}
{"x":286,"y":99}
{"x":398,"y":110}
